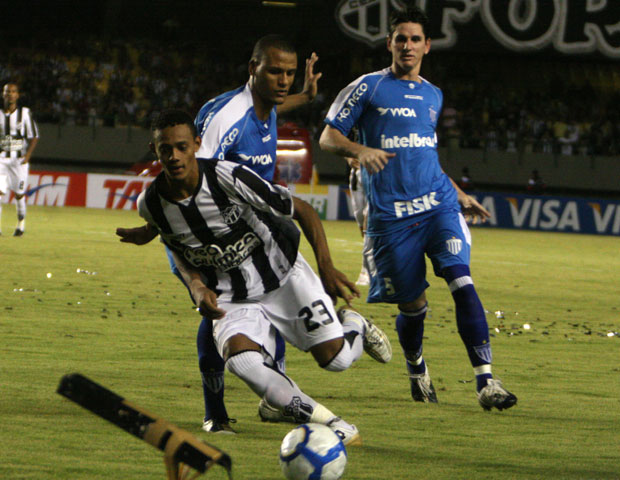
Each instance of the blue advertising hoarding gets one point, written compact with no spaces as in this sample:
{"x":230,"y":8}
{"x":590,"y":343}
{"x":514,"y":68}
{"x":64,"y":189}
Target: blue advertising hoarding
{"x":536,"y":212}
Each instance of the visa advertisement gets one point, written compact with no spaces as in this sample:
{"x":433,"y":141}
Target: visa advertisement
{"x":529,"y":212}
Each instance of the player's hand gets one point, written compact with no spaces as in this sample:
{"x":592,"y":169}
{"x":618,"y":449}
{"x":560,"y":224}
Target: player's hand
{"x":138,"y":235}
{"x":336,"y":284}
{"x":311,"y":79}
{"x":373,"y":159}
{"x":353,"y":162}
{"x":473,"y":211}
{"x":206,"y":300}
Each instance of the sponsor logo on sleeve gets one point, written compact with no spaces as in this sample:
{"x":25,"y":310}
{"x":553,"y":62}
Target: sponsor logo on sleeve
{"x":352,"y":101}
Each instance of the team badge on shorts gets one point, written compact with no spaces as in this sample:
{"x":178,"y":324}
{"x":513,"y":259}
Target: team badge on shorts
{"x":454,"y":245}
{"x":231,"y":214}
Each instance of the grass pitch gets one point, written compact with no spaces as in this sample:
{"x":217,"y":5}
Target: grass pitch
{"x":126,"y":322}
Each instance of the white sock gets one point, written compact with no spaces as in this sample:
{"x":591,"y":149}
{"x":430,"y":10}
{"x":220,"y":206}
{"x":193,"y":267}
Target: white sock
{"x":21,"y":212}
{"x":276,"y":388}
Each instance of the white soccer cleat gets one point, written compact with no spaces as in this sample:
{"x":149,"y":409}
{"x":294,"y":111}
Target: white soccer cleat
{"x":348,"y":433}
{"x":364,"y":279}
{"x":495,"y":395}
{"x":214,"y":426}
{"x":267,"y":413}
{"x":376,"y":342}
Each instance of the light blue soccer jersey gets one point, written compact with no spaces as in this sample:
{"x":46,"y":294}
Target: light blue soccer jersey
{"x":398,"y":116}
{"x":230,"y":130}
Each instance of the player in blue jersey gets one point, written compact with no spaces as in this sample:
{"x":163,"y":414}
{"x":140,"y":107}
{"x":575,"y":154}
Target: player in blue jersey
{"x":241,"y":126}
{"x":413,"y":205}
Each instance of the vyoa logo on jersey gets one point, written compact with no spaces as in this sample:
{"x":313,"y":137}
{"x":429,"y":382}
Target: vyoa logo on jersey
{"x":397,"y":112}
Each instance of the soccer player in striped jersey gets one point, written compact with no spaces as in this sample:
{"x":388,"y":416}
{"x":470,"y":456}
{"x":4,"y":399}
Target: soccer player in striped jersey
{"x":241,"y":126}
{"x":413,"y":205}
{"x":233,"y":240}
{"x":19,"y":136}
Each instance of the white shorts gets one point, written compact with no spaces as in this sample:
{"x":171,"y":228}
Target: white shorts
{"x":13,"y":175}
{"x":300,"y":309}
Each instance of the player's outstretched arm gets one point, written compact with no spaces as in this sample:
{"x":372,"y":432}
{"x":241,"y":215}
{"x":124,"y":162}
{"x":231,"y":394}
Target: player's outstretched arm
{"x":373,"y":159}
{"x":335,"y":282}
{"x":309,"y":91}
{"x":204,"y":298}
{"x":138,"y":235}
{"x":472,"y":209}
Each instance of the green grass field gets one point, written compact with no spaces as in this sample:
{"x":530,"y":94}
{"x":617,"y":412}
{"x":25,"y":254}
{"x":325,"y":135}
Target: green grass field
{"x":131,"y":328}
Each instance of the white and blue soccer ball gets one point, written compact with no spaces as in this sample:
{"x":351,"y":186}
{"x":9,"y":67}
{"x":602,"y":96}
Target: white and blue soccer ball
{"x":312,"y":452}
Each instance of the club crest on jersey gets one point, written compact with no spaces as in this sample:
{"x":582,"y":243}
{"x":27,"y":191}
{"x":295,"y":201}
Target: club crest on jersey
{"x":454,"y":245}
{"x":231,"y":214}
{"x":432,"y":114}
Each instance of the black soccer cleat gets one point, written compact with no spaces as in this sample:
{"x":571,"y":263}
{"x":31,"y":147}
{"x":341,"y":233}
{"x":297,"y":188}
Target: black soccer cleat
{"x":422,"y":389}
{"x":18,"y":232}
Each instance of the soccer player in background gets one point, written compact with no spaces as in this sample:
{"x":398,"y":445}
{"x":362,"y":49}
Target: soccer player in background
{"x":19,"y":136}
{"x":413,"y":205}
{"x":240,"y":126}
{"x":232,"y":239}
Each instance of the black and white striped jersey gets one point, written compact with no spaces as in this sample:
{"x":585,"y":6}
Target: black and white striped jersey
{"x":16,"y":131}
{"x":237,"y":229}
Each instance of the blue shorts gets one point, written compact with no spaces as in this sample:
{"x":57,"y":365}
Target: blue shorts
{"x":396,"y":260}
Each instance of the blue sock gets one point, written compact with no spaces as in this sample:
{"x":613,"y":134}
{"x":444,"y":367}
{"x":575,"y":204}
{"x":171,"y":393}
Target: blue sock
{"x":280,"y":351}
{"x":410,"y":328}
{"x":471,"y":321}
{"x":212,"y":371}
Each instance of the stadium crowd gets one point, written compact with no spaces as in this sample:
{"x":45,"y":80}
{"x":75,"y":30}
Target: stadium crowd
{"x":119,"y":83}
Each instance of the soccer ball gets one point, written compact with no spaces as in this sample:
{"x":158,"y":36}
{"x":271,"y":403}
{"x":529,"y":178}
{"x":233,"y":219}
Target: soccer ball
{"x":312,"y":452}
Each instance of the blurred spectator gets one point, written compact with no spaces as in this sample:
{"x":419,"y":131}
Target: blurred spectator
{"x":466,"y":183}
{"x":535,"y":184}
{"x":125,"y":82}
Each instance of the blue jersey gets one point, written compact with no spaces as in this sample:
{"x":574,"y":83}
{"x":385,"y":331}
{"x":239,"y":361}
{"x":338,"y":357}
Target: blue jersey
{"x":230,"y":130}
{"x":398,"y":116}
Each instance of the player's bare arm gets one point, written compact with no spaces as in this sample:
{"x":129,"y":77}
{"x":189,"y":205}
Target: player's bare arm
{"x":309,"y":90}
{"x":204,"y":298}
{"x":372,"y":159}
{"x":471,"y":208}
{"x":335,"y":282}
{"x":138,"y":235}
{"x":31,"y":146}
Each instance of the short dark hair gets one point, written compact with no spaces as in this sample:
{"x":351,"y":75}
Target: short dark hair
{"x":411,"y":14}
{"x":11,"y":82}
{"x":172,"y":117}
{"x":279,"y":42}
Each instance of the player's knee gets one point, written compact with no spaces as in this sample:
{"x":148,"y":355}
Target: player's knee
{"x":341,"y":360}
{"x":457,"y":276}
{"x":242,"y":363}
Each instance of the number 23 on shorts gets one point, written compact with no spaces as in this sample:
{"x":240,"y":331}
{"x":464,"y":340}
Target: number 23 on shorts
{"x":315,"y":315}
